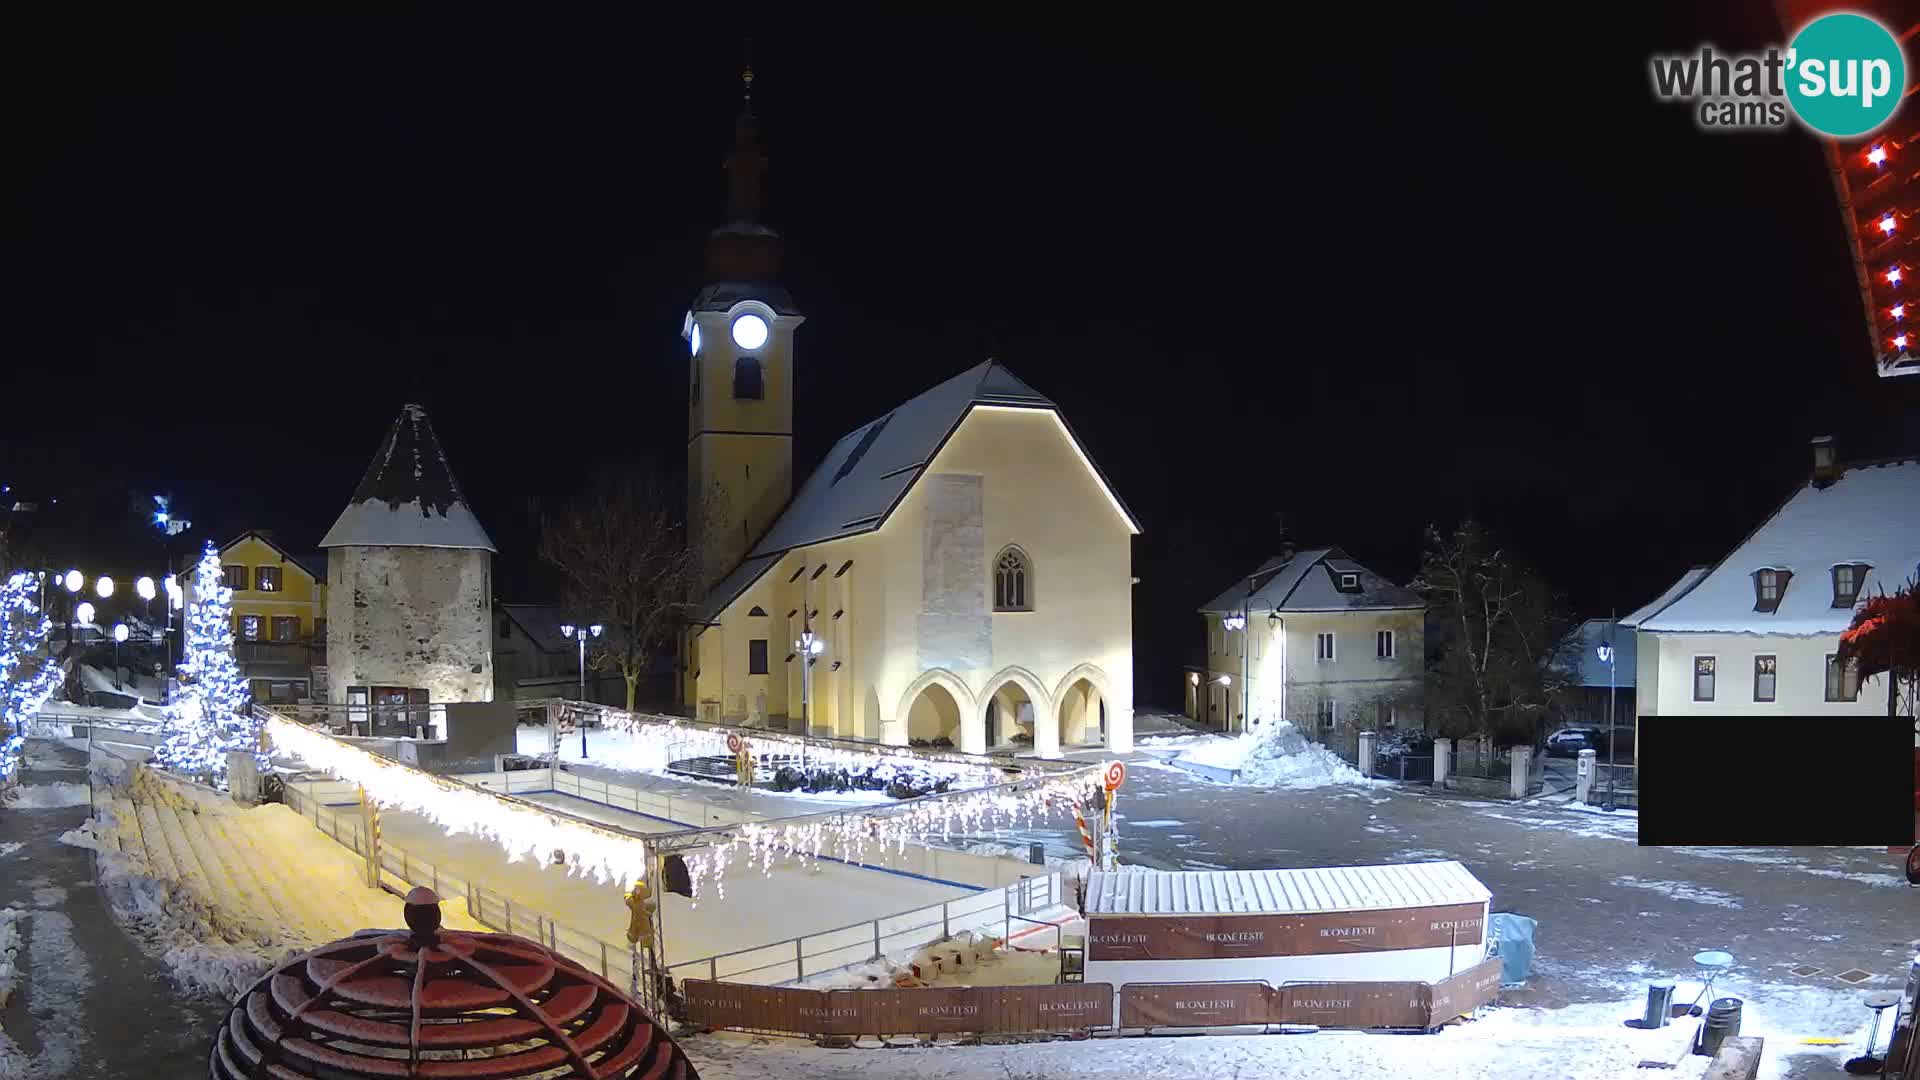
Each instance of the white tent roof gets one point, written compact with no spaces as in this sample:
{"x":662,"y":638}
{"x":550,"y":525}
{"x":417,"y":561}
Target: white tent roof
{"x":1282,"y":892}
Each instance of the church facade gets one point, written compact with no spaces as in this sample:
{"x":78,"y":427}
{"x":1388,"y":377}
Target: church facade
{"x":956,"y":571}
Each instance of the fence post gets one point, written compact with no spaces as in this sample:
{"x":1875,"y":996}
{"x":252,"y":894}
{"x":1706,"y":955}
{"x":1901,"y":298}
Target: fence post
{"x":1006,"y":917}
{"x":1521,"y":771}
{"x":1366,"y":753}
{"x":800,"y":960}
{"x":1583,"y":776}
{"x":603,"y":960}
{"x":876,"y":939}
{"x":1442,"y":759}
{"x":946,"y":926}
{"x":508,"y":900}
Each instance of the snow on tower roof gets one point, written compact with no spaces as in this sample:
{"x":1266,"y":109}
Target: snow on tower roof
{"x":1869,"y":515}
{"x":408,"y":498}
{"x":871,"y":469}
{"x":1283,"y":892}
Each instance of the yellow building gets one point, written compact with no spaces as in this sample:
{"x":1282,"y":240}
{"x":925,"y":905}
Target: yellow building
{"x":279,"y":616}
{"x":956,"y":571}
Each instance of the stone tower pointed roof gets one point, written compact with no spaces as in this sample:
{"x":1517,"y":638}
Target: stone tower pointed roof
{"x":408,"y":498}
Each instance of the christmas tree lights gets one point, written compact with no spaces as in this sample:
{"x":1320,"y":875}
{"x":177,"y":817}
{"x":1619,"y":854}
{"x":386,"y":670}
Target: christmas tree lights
{"x":28,"y":673}
{"x":210,"y":716}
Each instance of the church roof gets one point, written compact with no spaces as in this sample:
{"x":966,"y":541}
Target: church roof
{"x":408,"y":498}
{"x":1290,"y":583}
{"x":871,"y":469}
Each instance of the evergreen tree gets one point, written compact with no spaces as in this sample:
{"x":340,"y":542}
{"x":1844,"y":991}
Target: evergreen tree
{"x":210,"y":715}
{"x":28,"y":673}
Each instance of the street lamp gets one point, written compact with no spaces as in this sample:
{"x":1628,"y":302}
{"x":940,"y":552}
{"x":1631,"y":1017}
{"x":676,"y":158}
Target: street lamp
{"x":119,"y":638}
{"x":84,"y":613}
{"x":809,"y":646}
{"x":1606,"y":657}
{"x":581,"y":634}
{"x":104,"y":586}
{"x":74,"y":581}
{"x":146,"y":591}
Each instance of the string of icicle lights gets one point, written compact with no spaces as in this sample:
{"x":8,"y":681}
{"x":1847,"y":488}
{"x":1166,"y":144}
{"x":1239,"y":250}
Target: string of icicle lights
{"x":855,"y":836}
{"x":664,"y":739}
{"x":522,"y":830}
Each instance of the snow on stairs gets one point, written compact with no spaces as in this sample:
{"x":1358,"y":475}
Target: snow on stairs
{"x":263,"y":873}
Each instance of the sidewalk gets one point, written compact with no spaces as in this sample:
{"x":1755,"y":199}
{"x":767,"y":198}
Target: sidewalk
{"x":90,"y":1002}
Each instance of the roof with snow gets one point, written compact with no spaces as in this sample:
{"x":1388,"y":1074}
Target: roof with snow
{"x":1309,"y":581}
{"x":871,"y":469}
{"x":408,"y":498}
{"x":314,"y":563}
{"x":1582,"y":659}
{"x":1674,"y":592}
{"x":1316,"y":888}
{"x":1869,"y":515}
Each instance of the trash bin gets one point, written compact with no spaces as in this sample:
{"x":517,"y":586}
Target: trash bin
{"x":1659,"y":1005}
{"x":1512,"y":940}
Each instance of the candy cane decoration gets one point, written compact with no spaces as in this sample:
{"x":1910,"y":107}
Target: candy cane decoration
{"x":1086,"y":838}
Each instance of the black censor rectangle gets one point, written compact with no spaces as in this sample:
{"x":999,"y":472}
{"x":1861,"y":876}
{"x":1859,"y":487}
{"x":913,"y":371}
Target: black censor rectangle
{"x":1775,"y":781}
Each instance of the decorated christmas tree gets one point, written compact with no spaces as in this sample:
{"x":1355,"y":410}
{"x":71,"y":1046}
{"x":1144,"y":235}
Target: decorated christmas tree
{"x":209,"y":716}
{"x":28,"y":673}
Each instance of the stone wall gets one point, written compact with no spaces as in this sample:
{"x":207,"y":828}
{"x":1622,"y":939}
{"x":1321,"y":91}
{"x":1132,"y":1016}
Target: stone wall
{"x":410,"y":616}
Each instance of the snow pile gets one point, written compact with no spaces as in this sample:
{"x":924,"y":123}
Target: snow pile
{"x":47,"y":796}
{"x":1276,"y":756}
{"x":9,"y":949}
{"x":965,"y":959}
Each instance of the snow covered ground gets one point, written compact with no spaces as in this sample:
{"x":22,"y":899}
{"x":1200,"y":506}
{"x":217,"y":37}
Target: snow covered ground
{"x":9,"y":951}
{"x":1276,"y":756}
{"x":1579,"y":1042}
{"x":46,"y":796}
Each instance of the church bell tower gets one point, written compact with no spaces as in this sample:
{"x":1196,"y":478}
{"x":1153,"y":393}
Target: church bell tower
{"x":740,"y":387}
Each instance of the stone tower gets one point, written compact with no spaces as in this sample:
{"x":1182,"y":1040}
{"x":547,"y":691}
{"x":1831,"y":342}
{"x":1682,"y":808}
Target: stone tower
{"x":410,"y":576}
{"x":740,"y":393}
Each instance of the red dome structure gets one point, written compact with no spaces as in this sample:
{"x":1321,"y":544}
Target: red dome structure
{"x":427,"y":1003}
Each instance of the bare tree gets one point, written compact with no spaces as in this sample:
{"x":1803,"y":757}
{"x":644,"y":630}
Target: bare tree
{"x":623,"y":551}
{"x":1497,"y":630}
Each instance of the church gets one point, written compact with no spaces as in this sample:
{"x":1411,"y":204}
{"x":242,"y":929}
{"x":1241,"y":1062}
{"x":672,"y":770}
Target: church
{"x":957,"y":571}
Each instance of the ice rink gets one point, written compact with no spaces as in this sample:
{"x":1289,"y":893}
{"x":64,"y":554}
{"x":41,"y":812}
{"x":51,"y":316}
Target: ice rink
{"x":788,"y":901}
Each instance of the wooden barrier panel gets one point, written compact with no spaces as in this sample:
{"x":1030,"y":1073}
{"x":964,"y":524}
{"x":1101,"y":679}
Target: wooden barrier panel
{"x":1195,"y":1004}
{"x":919,"y":1011}
{"x":1460,"y":994}
{"x":1211,"y":937}
{"x":1353,"y":1004}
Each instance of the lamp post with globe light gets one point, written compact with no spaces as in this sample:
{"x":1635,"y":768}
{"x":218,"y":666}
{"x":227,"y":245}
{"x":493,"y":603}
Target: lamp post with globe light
{"x":144,"y":588}
{"x":581,"y":634}
{"x":119,"y":639}
{"x":73,"y":581}
{"x":1607,"y":656}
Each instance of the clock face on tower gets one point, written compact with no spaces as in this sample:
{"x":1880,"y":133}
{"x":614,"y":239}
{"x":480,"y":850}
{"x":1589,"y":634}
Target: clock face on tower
{"x":750,"y":332}
{"x":693,"y":339}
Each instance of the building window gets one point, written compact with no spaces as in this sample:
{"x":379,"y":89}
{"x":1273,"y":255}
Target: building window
{"x":1846,"y":583}
{"x":1768,"y":587}
{"x":1765,"y":670}
{"x":1329,"y":714}
{"x":1323,"y":646}
{"x":1843,"y":680}
{"x":266,"y":578}
{"x":746,"y":378}
{"x":1012,"y":581}
{"x":285,"y":628}
{"x":1703,"y":678}
{"x":250,"y":627}
{"x":757,"y":656}
{"x":1349,"y":582}
{"x":236,"y":577}
{"x":1383,"y":644}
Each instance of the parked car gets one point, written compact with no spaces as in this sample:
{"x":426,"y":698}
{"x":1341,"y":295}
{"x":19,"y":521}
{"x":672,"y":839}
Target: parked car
{"x":1570,"y":740}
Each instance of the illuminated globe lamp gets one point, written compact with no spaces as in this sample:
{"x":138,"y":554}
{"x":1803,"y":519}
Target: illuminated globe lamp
{"x":430,"y":1002}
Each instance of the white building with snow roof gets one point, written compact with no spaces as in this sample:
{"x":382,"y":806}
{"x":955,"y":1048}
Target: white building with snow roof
{"x":1314,"y":638}
{"x":1757,"y":631}
{"x":409,"y":582}
{"x":963,"y":566}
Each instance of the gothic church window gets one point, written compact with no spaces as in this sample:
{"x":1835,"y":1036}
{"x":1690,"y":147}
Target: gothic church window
{"x":1012,"y":581}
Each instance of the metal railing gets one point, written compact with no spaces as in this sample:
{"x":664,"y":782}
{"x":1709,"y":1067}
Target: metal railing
{"x":613,"y":960}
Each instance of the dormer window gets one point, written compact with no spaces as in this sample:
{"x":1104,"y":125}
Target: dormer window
{"x":1847,"y":579}
{"x":1769,"y":586}
{"x":1349,"y":582}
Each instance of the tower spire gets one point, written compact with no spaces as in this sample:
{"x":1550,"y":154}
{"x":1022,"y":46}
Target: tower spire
{"x":742,"y":249}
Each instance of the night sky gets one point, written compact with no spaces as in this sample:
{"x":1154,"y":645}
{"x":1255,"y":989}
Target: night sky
{"x":1362,"y":275}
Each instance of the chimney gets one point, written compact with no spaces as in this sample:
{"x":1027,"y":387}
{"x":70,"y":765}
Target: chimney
{"x":1826,"y":463}
{"x":1286,"y":550}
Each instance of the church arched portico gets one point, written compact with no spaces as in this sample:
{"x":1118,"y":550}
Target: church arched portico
{"x":1015,"y":700}
{"x":935,"y":704}
{"x":1081,"y":710}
